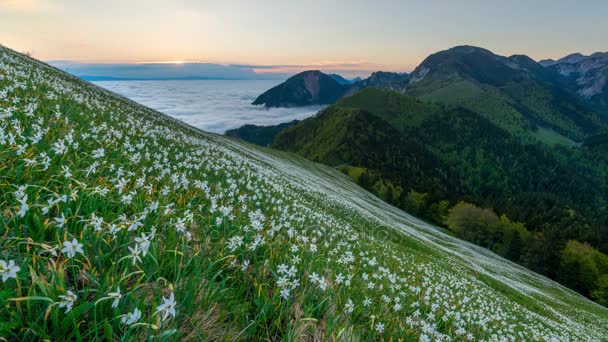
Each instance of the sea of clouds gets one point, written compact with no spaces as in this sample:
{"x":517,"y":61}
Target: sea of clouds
{"x":211,"y":105}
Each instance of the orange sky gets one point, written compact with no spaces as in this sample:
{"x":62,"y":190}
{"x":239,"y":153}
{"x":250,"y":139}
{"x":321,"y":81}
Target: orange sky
{"x":356,"y":34}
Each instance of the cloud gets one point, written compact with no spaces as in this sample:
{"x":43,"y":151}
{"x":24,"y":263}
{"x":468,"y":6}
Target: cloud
{"x":199,"y":70}
{"x":159,"y":71}
{"x":347,"y":69}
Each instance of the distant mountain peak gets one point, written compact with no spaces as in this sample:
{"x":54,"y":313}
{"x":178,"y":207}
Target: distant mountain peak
{"x":587,"y":75}
{"x":311,"y":87}
{"x":547,"y":62}
{"x":572,"y":58}
{"x":465,"y":49}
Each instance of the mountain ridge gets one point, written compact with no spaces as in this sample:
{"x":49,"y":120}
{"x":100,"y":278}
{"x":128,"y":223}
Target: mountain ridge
{"x":515,"y":92}
{"x":422,"y":156}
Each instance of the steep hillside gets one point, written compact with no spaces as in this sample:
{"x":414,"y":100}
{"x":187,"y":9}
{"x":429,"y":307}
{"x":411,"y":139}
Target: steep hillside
{"x":120,"y":223}
{"x":426,"y":158}
{"x":304,"y":89}
{"x":514,"y":92}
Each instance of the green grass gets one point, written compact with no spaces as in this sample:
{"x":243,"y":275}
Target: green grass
{"x":552,"y":138}
{"x":226,"y":216}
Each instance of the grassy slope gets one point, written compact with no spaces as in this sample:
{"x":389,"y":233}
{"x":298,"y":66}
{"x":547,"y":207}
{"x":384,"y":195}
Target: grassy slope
{"x":202,"y":193}
{"x":517,"y":107}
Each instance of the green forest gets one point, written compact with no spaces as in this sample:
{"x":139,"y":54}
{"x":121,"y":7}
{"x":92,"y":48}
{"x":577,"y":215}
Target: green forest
{"x":540,"y":205}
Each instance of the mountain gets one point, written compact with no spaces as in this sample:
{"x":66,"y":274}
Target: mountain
{"x":379,"y":79}
{"x":516,"y":93}
{"x":532,"y":101}
{"x":259,"y":135}
{"x":425,"y":157}
{"x":304,"y":89}
{"x":586,"y":75}
{"x":315,"y":87}
{"x":340,"y":79}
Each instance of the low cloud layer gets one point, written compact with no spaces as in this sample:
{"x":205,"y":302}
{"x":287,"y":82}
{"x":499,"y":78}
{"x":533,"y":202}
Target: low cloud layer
{"x":162,"y":71}
{"x":195,"y":70}
{"x":211,"y":105}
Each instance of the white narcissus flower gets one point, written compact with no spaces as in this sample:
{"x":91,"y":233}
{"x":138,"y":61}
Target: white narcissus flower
{"x":24,"y":206}
{"x":349,"y":307}
{"x":67,"y":301}
{"x":135,"y":252}
{"x":60,"y":221}
{"x":71,"y":248}
{"x":285,"y":293}
{"x":116,"y":296}
{"x":8,"y":270}
{"x":167,"y":307}
{"x":98,"y":153}
{"x":131,"y":317}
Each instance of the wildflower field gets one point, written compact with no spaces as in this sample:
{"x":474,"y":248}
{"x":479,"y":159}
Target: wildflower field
{"x":120,"y":223}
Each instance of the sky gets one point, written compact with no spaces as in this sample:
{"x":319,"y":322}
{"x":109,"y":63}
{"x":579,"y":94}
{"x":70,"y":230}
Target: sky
{"x":281,"y":36}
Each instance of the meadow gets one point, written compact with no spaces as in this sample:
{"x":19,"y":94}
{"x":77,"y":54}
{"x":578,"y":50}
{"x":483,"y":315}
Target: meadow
{"x":118,"y":223}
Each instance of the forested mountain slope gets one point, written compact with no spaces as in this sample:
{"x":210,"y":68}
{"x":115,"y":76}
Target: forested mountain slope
{"x":426,"y":158}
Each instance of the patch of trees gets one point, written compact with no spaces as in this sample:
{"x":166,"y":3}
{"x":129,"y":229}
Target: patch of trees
{"x":550,"y":252}
{"x":428,"y":161}
{"x":581,"y":267}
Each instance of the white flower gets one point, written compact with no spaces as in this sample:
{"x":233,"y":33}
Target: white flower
{"x":8,"y":270}
{"x":349,"y":307}
{"x":285,"y":292}
{"x":234,"y":242}
{"x":144,"y":242}
{"x":21,"y":149}
{"x":98,"y":153}
{"x":68,"y":301}
{"x":59,"y":147}
{"x":379,"y":327}
{"x":24,"y":207}
{"x":131,"y":317}
{"x":72,"y":247}
{"x":61,"y":221}
{"x":116,"y":295}
{"x":167,"y":307}
{"x":135,"y":254}
{"x":367,"y":302}
{"x":282,"y":269}
{"x":66,"y":171}
{"x":96,"y":222}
